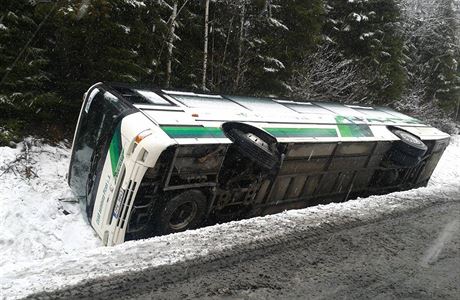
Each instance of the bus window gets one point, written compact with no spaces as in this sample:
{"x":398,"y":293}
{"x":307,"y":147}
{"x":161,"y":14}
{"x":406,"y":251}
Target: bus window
{"x":206,"y":102}
{"x":260,"y":104}
{"x":304,"y":107}
{"x":141,"y":96}
{"x":370,"y":111}
{"x":153,"y":97}
{"x":96,"y":125}
{"x":340,"y":109}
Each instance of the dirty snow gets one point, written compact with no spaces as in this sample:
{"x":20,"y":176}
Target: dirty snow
{"x":43,"y":249}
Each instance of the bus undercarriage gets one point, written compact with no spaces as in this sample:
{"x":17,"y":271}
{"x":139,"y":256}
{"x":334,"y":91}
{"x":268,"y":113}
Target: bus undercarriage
{"x":198,"y":185}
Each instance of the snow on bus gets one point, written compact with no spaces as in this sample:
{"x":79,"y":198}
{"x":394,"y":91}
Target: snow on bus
{"x":149,"y":162}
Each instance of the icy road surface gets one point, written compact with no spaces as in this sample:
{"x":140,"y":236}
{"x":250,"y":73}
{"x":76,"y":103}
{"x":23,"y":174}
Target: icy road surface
{"x":399,"y":245}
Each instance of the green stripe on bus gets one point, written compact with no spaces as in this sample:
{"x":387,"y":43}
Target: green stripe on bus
{"x":352,"y":130}
{"x":346,"y":130}
{"x":355,"y":130}
{"x":302,"y":132}
{"x":115,"y":150}
{"x":193,"y":132}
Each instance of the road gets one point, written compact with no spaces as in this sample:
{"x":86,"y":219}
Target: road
{"x":414,"y":256}
{"x":410,"y":251}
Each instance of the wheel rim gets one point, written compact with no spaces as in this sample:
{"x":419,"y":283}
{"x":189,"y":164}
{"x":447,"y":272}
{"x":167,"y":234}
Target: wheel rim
{"x":258,"y":141}
{"x":183,"y":215}
{"x":410,"y":138}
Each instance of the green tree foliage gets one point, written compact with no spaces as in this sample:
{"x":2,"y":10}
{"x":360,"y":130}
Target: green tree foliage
{"x":248,"y":43}
{"x":375,"y":51}
{"x":366,"y":31}
{"x":25,"y":98}
{"x":442,"y":54}
{"x":96,"y":41}
{"x":431,"y":33}
{"x":304,"y":21}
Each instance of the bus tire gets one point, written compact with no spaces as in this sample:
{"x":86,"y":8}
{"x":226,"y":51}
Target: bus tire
{"x":254,"y":143}
{"x":184,"y":211}
{"x":408,"y":151}
{"x":248,"y":144}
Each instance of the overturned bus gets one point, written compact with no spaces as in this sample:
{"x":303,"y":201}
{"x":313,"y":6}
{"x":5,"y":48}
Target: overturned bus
{"x":149,"y":162}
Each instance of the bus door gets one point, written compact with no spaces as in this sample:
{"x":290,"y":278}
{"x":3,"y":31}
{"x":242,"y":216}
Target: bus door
{"x":100,"y":117}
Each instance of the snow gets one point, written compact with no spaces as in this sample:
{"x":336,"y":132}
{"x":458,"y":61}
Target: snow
{"x":358,"y":17}
{"x":366,"y":35}
{"x":43,"y":249}
{"x":127,"y":29}
{"x":447,"y":171}
{"x":274,"y":61}
{"x":385,"y":54}
{"x":135,"y":3}
{"x":83,"y":10}
{"x":33,"y":225}
{"x":270,"y":70}
{"x":277,"y":23}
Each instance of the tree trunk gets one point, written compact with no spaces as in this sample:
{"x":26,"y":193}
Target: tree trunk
{"x":219,"y":77}
{"x":458,"y":109}
{"x":268,"y":8}
{"x":205,"y":50}
{"x":172,"y":26}
{"x":240,"y":48}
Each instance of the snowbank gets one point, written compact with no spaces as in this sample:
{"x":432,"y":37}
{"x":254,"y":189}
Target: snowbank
{"x":35,"y":220}
{"x":84,"y":271}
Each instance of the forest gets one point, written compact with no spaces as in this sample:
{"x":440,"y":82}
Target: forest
{"x":399,"y":53}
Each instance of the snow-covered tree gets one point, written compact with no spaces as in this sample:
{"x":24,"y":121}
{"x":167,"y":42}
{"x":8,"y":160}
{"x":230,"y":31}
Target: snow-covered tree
{"x":366,"y":31}
{"x":98,"y":40}
{"x":327,"y":75}
{"x":24,"y":76}
{"x":432,"y":51}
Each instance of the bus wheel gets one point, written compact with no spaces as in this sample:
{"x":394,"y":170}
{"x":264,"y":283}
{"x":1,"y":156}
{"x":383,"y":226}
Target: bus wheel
{"x":409,"y":150}
{"x":184,"y":211}
{"x":254,"y":143}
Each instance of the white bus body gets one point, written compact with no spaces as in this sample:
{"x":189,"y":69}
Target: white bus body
{"x":147,"y":162}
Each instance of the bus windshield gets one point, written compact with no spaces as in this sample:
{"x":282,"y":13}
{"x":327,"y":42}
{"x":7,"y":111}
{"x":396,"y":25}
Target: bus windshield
{"x":97,"y":122}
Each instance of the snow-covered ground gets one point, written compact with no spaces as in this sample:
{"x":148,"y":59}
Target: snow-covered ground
{"x":45,"y":244}
{"x":35,"y":220}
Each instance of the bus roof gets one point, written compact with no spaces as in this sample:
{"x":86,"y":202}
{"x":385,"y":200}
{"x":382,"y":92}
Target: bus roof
{"x":190,"y":117}
{"x":191,"y":107}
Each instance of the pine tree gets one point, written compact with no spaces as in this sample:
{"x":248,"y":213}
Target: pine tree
{"x":444,"y":81}
{"x":366,"y":31}
{"x":432,"y":51}
{"x":23,"y":65}
{"x":304,"y":20}
{"x":265,"y":62}
{"x":188,"y":45}
{"x":95,"y":41}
